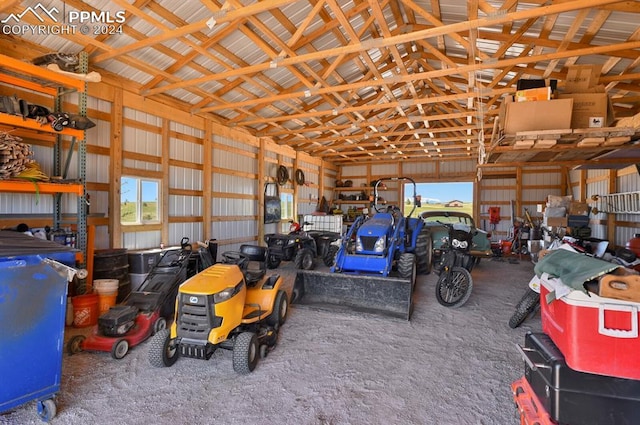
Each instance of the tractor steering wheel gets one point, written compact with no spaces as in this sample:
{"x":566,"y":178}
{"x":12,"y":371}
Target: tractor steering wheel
{"x":237,"y":258}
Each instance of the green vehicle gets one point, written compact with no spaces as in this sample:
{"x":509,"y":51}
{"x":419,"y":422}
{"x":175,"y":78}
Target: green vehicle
{"x":481,"y":244}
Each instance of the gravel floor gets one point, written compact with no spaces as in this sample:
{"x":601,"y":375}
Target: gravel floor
{"x":444,"y":366}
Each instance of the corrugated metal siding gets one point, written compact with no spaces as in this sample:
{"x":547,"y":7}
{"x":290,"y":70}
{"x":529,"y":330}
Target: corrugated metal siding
{"x":177,"y":231}
{"x":141,"y":240}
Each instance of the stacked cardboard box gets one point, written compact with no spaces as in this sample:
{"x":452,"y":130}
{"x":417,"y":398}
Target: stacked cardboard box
{"x":556,"y":211}
{"x":534,"y":109}
{"x":591,"y":105}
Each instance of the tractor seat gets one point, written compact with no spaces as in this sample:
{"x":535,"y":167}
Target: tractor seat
{"x":257,"y":267}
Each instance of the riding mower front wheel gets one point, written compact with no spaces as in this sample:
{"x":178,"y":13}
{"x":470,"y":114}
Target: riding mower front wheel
{"x":163,"y":351}
{"x":245,"y":352}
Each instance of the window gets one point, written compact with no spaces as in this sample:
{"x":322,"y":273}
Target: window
{"x":453,"y":196}
{"x":139,"y":200}
{"x":286,"y":201}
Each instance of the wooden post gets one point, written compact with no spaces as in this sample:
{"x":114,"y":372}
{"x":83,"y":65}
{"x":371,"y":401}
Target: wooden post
{"x":115,"y":168}
{"x":166,"y":148}
{"x":207,"y":177}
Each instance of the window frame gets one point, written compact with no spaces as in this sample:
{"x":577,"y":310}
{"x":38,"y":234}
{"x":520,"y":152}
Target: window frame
{"x":139,"y":201}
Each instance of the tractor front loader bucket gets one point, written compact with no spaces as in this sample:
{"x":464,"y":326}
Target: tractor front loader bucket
{"x":390,"y":296}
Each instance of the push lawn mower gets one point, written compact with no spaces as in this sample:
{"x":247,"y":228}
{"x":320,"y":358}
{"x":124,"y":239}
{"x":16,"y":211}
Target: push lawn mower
{"x":144,"y":312}
{"x":232,"y":305}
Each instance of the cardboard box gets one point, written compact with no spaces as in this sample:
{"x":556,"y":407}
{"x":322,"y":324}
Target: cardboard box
{"x":578,"y":208}
{"x":582,"y":77}
{"x":555,"y":221}
{"x":539,"y":115}
{"x":590,"y":110}
{"x":540,"y":93}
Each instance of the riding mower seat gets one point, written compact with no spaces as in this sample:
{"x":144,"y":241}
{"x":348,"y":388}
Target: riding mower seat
{"x":256,"y":254}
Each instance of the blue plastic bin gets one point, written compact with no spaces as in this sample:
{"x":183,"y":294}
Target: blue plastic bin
{"x":33,"y":300}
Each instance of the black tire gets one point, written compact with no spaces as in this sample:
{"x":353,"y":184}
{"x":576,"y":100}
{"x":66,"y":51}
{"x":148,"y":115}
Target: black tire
{"x":120,"y":349}
{"x":424,"y":252}
{"x":280,"y":309}
{"x":454,"y":288}
{"x":527,"y":305}
{"x":75,"y":344}
{"x":329,"y":258}
{"x":162,"y":350}
{"x":304,"y":259}
{"x":273,"y":262}
{"x":407,"y":266}
{"x":158,"y":325}
{"x":245,"y":352}
{"x":47,"y":409}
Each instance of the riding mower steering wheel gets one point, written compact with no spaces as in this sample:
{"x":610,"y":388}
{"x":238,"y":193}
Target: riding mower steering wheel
{"x":237,"y":258}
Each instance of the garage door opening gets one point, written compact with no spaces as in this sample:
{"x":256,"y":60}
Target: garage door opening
{"x":453,"y":196}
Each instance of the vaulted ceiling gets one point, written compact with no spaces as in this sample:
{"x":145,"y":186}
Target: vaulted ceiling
{"x":353,"y":81}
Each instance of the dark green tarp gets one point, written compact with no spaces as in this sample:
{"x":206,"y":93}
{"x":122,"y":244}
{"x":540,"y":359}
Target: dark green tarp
{"x":572,"y":268}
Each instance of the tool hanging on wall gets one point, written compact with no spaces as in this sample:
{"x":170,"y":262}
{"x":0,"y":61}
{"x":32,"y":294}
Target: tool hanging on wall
{"x":282,"y":176}
{"x":300,"y":177}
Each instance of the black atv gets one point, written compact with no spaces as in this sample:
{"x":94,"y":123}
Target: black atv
{"x":297,"y":246}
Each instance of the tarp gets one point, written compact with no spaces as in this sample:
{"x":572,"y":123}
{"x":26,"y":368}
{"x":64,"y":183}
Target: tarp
{"x":574,"y":269}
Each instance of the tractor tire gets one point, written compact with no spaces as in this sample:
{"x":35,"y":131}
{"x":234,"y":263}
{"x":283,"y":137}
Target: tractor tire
{"x":329,"y":258}
{"x":304,"y":259}
{"x":280,"y":309}
{"x":454,"y":288}
{"x":273,"y":262}
{"x":527,"y":305}
{"x":424,"y":252}
{"x":162,"y":352}
{"x":245,"y":352}
{"x":407,"y":267}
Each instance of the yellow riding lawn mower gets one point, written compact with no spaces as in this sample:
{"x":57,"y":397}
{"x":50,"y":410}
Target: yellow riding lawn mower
{"x":231,"y":305}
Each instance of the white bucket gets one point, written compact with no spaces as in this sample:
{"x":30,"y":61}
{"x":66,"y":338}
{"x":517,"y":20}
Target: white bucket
{"x":106,"y":286}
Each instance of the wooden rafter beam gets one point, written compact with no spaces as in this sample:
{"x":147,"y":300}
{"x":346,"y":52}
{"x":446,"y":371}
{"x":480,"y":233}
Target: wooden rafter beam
{"x":225,"y":17}
{"x":397,"y":39}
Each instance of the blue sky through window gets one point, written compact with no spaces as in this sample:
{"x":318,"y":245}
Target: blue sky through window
{"x":442,"y":192}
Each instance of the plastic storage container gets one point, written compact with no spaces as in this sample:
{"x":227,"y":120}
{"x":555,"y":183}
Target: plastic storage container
{"x":32,"y":319}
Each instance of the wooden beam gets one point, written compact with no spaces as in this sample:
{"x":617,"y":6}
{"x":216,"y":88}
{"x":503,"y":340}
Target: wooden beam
{"x":115,"y":169}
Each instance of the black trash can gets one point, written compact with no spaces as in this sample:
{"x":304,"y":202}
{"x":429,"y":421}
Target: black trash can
{"x":113,"y":264}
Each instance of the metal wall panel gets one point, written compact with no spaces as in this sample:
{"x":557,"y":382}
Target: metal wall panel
{"x":185,"y":178}
{"x":458,"y":167}
{"x":185,"y":151}
{"x":142,"y":240}
{"x":177,"y":231}
{"x":416,"y":168}
{"x":141,"y":141}
{"x":185,"y":206}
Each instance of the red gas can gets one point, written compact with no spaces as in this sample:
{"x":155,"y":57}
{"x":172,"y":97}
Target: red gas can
{"x":634,"y":244}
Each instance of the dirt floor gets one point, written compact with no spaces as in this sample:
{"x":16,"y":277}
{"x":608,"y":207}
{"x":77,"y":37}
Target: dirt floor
{"x":444,"y":366}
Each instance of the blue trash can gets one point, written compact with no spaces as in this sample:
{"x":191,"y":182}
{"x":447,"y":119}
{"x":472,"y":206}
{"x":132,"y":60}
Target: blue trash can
{"x":33,"y":299}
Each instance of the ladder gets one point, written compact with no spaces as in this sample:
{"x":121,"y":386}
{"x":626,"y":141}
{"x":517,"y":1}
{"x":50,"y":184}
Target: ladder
{"x":617,"y":203}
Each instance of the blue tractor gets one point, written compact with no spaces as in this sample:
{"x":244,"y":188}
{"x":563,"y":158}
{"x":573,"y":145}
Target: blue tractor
{"x":376,"y":263}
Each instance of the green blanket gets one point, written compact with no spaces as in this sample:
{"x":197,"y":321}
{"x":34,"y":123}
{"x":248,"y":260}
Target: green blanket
{"x":572,"y":268}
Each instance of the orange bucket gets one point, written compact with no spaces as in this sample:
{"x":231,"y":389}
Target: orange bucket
{"x":107,"y":290}
{"x":85,"y":310}
{"x":506,"y":247}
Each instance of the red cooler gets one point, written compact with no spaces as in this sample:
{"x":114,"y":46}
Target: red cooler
{"x":595,"y":334}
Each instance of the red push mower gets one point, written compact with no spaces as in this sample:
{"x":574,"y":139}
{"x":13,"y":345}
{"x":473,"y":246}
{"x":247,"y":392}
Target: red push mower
{"x":144,"y":312}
